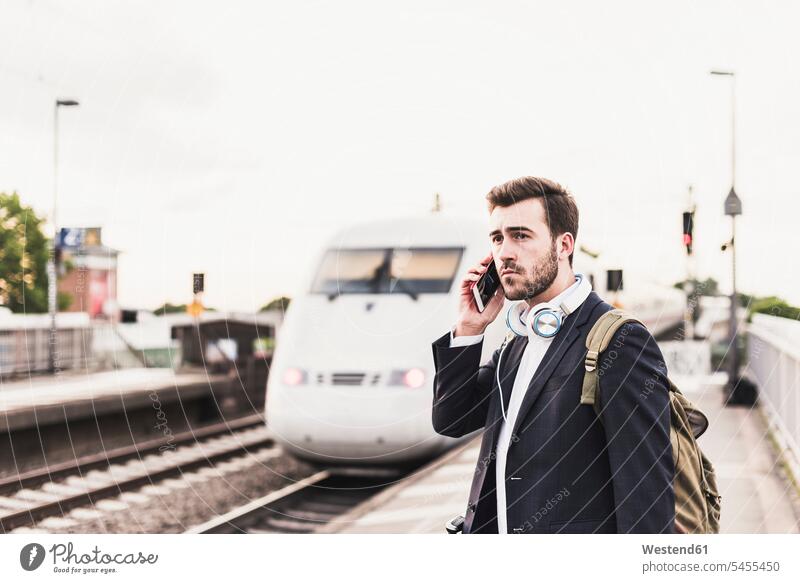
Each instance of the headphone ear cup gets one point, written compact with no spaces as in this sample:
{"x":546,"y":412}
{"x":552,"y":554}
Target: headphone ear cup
{"x":514,"y":321}
{"x":546,"y":322}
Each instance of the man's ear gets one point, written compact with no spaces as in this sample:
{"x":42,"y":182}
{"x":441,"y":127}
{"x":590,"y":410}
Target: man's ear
{"x":566,"y":245}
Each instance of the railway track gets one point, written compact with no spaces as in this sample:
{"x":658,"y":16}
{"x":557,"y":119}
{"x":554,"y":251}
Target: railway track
{"x":301,"y":507}
{"x":53,"y":491}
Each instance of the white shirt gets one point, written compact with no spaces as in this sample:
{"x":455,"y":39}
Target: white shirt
{"x":531,"y":358}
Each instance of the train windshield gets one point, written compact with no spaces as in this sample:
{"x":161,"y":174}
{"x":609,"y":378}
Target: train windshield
{"x":398,"y":270}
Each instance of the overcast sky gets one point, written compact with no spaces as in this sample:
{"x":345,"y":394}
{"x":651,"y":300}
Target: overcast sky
{"x":233,"y":138}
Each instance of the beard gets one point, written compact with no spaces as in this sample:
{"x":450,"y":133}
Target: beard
{"x":530,"y":283}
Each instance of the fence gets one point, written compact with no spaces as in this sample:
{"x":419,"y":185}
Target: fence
{"x":774,"y":365}
{"x":25,"y":346}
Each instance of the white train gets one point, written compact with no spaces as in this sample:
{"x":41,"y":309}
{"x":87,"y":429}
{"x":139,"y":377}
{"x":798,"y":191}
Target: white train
{"x":351,"y":378}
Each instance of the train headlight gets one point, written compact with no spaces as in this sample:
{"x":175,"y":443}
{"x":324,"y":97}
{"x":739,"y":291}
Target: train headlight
{"x":294,"y":377}
{"x":412,"y":378}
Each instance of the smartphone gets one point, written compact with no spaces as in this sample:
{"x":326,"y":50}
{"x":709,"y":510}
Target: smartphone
{"x":485,"y":287}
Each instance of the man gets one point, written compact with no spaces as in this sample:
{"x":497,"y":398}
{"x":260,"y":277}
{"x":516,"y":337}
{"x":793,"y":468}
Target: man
{"x":547,"y":463}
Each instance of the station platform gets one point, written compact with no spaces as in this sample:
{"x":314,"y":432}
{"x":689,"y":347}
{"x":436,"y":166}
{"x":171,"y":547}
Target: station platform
{"x":756,"y":495}
{"x":52,"y":419}
{"x":71,"y":396}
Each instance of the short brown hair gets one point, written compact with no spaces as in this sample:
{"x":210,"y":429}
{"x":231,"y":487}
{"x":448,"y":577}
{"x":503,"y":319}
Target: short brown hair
{"x":560,"y":209}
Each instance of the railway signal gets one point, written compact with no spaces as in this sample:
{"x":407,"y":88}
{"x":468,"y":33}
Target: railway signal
{"x":198,"y":286}
{"x":198,"y":282}
{"x":688,"y":228}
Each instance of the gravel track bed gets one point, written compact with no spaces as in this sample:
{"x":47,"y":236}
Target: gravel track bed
{"x":173,"y":505}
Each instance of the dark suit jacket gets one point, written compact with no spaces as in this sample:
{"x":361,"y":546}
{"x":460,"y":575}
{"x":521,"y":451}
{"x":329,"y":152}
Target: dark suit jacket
{"x":566,"y":470}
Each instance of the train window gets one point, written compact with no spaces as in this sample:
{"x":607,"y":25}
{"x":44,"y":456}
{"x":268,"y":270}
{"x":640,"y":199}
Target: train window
{"x":411,"y":270}
{"x":423,"y":270}
{"x":353,"y":271}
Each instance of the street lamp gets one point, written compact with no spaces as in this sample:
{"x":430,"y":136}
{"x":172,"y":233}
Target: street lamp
{"x":732,"y":77}
{"x":733,"y":208}
{"x":52,"y":271}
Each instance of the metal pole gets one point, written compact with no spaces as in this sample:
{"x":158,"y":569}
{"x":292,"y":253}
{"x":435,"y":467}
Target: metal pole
{"x":52,"y":267}
{"x":733,"y":207}
{"x":691,"y":296}
{"x":734,"y":324}
{"x":733,"y":131}
{"x":734,"y":298}
{"x":52,"y":284}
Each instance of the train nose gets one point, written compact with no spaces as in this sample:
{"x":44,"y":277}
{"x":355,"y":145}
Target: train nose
{"x":353,"y":423}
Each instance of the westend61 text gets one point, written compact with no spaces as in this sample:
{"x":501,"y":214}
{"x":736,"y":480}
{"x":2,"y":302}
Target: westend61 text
{"x":675,"y":550}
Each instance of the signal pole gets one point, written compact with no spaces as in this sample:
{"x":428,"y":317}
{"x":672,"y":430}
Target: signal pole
{"x":689,"y":288}
{"x":733,"y":208}
{"x":52,"y":263}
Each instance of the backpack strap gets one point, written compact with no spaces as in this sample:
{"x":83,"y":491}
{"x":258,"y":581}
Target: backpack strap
{"x":597,"y":341}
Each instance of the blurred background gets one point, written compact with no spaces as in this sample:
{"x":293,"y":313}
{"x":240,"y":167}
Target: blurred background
{"x":182,"y":174}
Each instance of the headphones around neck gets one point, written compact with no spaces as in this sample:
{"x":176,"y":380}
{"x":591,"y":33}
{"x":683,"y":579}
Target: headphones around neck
{"x":545,"y":319}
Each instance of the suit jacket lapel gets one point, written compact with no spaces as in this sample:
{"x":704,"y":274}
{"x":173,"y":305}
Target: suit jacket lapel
{"x":558,"y":348}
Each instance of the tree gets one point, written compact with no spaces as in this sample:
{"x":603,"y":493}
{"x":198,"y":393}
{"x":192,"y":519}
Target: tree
{"x":773,"y":306}
{"x":168,"y":308}
{"x":24,"y":250}
{"x":279,"y":303}
{"x":705,"y":287}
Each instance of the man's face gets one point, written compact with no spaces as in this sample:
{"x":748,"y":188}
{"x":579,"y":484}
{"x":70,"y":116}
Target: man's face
{"x":524,"y":252}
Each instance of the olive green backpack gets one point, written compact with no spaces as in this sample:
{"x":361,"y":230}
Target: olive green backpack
{"x":697,"y":500}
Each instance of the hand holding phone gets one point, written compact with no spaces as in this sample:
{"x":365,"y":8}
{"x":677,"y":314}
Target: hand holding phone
{"x":484,"y":289}
{"x":482,"y":298}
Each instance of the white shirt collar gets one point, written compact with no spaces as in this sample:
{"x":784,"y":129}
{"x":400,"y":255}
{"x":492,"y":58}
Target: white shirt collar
{"x":556,"y":300}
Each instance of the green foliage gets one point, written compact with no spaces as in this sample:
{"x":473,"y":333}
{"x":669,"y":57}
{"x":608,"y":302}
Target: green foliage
{"x":64,"y":300}
{"x":774,"y":306}
{"x":168,"y":308}
{"x":745,"y":300}
{"x":279,"y":303}
{"x":702,"y":287}
{"x":24,"y":251}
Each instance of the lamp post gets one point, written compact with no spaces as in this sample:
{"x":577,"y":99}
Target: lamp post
{"x":52,"y":268}
{"x":733,"y":208}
